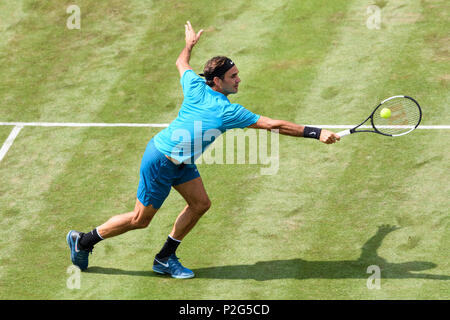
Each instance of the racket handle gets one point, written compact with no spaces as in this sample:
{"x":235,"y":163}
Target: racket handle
{"x":344,"y":133}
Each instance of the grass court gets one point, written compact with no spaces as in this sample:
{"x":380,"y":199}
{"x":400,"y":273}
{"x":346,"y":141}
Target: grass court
{"x":308,"y":232}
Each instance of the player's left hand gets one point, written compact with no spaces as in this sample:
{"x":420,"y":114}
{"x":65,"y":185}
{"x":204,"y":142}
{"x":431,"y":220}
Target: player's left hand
{"x":191,"y":37}
{"x":328,"y":137}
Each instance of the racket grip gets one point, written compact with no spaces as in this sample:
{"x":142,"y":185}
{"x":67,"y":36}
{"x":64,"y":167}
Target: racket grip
{"x":344,"y":133}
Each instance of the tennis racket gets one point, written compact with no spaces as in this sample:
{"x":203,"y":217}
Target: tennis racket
{"x":405,"y":116}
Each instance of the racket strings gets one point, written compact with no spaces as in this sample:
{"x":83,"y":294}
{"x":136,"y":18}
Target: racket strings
{"x":405,"y":116}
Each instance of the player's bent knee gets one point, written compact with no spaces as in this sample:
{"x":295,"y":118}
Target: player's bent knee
{"x":202,"y":206}
{"x":141,"y":223}
{"x":142,"y":217}
{"x":207,"y":205}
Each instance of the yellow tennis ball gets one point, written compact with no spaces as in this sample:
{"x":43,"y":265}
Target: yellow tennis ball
{"x":385,"y":113}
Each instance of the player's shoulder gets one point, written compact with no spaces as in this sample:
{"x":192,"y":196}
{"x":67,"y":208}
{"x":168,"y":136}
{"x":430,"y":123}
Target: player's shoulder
{"x":233,"y":107}
{"x":189,"y":74}
{"x":229,"y":110}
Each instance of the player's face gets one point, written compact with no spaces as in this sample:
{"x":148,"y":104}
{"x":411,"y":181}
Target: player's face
{"x":230,"y":82}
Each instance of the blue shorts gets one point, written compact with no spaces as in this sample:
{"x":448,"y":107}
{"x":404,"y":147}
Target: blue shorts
{"x":158,"y":174}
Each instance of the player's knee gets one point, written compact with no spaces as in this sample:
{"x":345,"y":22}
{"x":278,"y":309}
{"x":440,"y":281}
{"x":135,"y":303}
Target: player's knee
{"x":202,"y":206}
{"x":141,"y":220}
{"x":206,"y":204}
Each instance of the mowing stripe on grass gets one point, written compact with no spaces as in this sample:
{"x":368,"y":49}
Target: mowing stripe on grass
{"x":298,"y":220}
{"x":28,"y":179}
{"x":352,"y":75}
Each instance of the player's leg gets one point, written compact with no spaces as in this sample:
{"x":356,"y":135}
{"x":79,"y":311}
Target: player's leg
{"x":198,"y":203}
{"x":81,"y":244}
{"x":153,"y":189}
{"x":139,"y":218}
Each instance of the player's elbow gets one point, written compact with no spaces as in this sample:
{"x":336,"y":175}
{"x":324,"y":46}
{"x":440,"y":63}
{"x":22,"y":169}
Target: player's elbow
{"x":271,"y":124}
{"x":182,"y":67}
{"x":265,"y":123}
{"x":180,"y":63}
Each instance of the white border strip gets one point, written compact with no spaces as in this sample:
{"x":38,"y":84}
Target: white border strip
{"x":432,"y":127}
{"x":19,"y":125}
{"x":72,"y":124}
{"x":9,"y":141}
{"x":163,"y":125}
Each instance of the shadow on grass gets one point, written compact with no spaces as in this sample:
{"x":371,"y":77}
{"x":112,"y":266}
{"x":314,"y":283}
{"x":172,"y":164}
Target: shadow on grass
{"x":304,"y":269}
{"x":120,"y":272}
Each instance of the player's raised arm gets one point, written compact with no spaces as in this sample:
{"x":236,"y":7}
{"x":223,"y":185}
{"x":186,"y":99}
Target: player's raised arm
{"x":185,"y":55}
{"x":295,"y":130}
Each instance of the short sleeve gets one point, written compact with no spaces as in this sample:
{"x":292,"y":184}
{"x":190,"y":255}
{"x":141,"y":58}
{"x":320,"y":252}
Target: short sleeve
{"x":193,"y":85}
{"x":236,"y":116}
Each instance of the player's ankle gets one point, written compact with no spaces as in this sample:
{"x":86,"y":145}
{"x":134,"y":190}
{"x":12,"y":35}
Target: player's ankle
{"x":89,"y":240}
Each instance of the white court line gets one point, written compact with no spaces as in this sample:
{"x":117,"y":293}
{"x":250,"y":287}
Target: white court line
{"x":19,"y":125}
{"x":337,"y":126}
{"x":72,"y":124}
{"x":163,"y":125}
{"x":9,"y":141}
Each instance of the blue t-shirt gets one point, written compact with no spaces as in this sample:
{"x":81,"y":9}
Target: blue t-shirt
{"x":204,"y":115}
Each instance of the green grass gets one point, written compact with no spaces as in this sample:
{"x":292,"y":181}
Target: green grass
{"x":4,"y":132}
{"x":308,"y":232}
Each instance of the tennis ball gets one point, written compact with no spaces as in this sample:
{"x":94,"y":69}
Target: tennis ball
{"x":385,"y":113}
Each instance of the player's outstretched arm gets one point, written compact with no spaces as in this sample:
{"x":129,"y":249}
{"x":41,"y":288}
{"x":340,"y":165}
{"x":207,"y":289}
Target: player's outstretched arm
{"x":191,"y":39}
{"x":295,"y":130}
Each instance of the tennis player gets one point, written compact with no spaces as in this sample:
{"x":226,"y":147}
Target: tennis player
{"x":168,"y":160}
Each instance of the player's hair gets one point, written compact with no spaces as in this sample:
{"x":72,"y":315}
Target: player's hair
{"x":210,"y":66}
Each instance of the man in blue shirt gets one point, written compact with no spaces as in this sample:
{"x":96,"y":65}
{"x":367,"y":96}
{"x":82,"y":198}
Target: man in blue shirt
{"x":169,"y":158}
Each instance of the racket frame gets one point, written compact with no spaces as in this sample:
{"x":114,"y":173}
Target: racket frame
{"x":375,"y":130}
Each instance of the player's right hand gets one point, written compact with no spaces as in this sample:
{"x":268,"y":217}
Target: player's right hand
{"x":191,"y":37}
{"x":328,"y":137}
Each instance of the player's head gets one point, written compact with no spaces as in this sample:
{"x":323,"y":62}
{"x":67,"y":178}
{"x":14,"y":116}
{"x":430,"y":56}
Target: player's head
{"x":221,"y":74}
